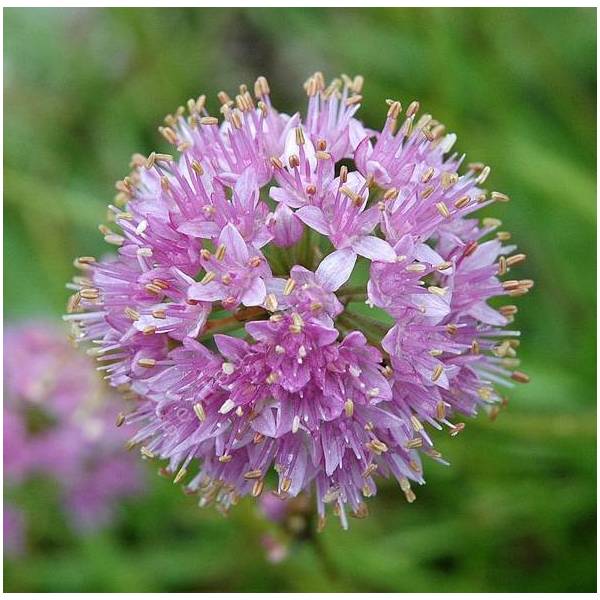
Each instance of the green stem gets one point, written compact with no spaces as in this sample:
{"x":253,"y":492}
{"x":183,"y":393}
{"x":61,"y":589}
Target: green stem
{"x":351,"y":289}
{"x":361,"y":320}
{"x":233,"y":322}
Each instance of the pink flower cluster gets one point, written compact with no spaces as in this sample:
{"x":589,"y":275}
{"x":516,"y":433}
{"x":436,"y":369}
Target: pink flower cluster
{"x":59,"y":423}
{"x":301,"y":294}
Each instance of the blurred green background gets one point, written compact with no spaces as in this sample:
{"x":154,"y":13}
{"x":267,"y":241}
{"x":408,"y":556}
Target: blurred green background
{"x":516,"y":511}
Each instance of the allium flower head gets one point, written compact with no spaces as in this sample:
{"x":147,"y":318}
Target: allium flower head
{"x":302,"y":296}
{"x":59,"y":423}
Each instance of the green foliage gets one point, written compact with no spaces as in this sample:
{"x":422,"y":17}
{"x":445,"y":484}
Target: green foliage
{"x":85,"y":88}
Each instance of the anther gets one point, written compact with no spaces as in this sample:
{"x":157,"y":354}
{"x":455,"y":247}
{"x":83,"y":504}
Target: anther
{"x":442,"y":209}
{"x":261,"y":87}
{"x":483,"y":175}
{"x":147,"y":363}
{"x":271,"y":302}
{"x":516,"y":259}
{"x":440,"y":411}
{"x":462,"y":202}
{"x":377,"y":446}
{"x":449,"y":179}
{"x":257,"y":488}
{"x":390,"y":194}
{"x":500,"y":197}
{"x":456,"y":429}
{"x":427,"y":175}
{"x":520,"y":377}
{"x":394,"y":110}
{"x":253,"y":474}
{"x":343,"y":174}
{"x":208,"y":277}
{"x":413,"y":108}
{"x":349,"y":407}
{"x":199,"y":411}
{"x":290,"y":284}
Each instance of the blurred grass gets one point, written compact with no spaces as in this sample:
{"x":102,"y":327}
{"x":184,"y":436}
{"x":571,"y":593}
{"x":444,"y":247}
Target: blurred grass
{"x":85,"y":88}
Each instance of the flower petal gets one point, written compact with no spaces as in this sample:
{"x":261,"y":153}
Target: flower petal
{"x":314,"y":217}
{"x":285,"y":226}
{"x":214,"y":290}
{"x":255,"y":294}
{"x":246,"y":188}
{"x":231,"y":347}
{"x":234,"y":243}
{"x":336,"y":268}
{"x":374,"y":248}
{"x":199,"y":228}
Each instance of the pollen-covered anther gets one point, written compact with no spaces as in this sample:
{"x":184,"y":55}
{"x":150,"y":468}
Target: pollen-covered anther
{"x":356,"y":198}
{"x":462,"y":202}
{"x":509,"y":310}
{"x":483,"y":175}
{"x":208,"y":277}
{"x":394,"y":110}
{"x":451,"y":329}
{"x":440,"y":410}
{"x":516,"y":259}
{"x":224,"y":98}
{"x":254,"y":261}
{"x":160,"y":157}
{"x":437,"y":373}
{"x":228,"y":368}
{"x":199,"y":412}
{"x":261,"y":87}
{"x":147,"y":363}
{"x":273,"y":377}
{"x":519,"y":377}
{"x":456,"y":429}
{"x":209,"y":121}
{"x":416,"y":268}
{"x":169,"y":135}
{"x":257,"y":488}
{"x":297,"y":323}
{"x":89,"y":293}
{"x":502,"y":265}
{"x":349,"y":408}
{"x":146,"y":453}
{"x":275,"y":162}
{"x":414,"y":443}
{"x":437,"y":291}
{"x":413,"y":108}
{"x":377,"y":446}
{"x":253,"y":474}
{"x":390,"y":194}
{"x":180,"y":475}
{"x":442,"y":209}
{"x":416,"y":424}
{"x":271,"y":302}
{"x":499,"y":197}
{"x":290,"y":284}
